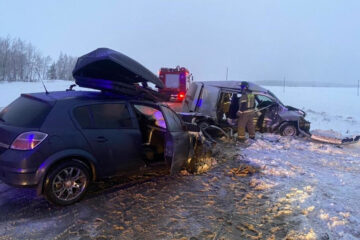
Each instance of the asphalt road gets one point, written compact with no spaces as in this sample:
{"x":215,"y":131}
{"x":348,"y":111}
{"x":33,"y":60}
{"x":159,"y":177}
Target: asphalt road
{"x":220,"y":204}
{"x":176,"y":106}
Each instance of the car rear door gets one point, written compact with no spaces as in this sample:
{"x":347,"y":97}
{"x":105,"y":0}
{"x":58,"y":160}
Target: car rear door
{"x":192,"y":98}
{"x":113,"y":136}
{"x":208,"y":101}
{"x":177,"y":143}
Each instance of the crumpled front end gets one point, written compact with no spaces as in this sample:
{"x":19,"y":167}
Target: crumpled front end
{"x":200,"y":158}
{"x":304,"y":125}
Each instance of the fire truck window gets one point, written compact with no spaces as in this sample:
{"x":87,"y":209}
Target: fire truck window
{"x":172,"y":80}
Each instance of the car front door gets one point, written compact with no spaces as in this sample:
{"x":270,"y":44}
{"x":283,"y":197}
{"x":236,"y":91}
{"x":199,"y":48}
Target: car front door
{"x":269,"y":111}
{"x":177,"y":141}
{"x":113,"y":136}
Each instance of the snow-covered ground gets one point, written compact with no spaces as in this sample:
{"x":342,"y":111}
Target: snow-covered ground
{"x":300,"y":190}
{"x":310,"y":185}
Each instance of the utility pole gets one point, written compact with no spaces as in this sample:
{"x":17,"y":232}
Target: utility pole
{"x":284,"y":84}
{"x":227,"y":73}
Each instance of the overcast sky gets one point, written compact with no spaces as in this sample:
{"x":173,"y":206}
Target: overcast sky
{"x":257,"y":40}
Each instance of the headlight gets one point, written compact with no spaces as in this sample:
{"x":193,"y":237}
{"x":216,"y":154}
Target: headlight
{"x":302,"y":113}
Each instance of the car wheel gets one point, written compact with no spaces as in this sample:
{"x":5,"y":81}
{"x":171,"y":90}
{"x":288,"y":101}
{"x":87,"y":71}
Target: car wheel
{"x":67,"y":183}
{"x":289,"y":130}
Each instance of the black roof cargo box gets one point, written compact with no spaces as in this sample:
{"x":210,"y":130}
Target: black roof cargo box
{"x":105,"y":69}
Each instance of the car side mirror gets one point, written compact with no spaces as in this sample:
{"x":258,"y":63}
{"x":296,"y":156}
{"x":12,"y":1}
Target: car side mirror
{"x":191,"y":127}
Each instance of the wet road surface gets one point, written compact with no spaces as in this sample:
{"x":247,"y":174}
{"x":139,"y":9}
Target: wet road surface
{"x":274,"y":189}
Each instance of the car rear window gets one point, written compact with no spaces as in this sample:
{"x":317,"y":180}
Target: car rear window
{"x":25,"y":112}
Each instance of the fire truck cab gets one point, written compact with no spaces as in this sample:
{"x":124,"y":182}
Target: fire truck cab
{"x":176,"y":81}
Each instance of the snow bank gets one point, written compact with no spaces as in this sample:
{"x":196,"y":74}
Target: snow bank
{"x":326,"y":108}
{"x":333,"y":101}
{"x":10,"y":91}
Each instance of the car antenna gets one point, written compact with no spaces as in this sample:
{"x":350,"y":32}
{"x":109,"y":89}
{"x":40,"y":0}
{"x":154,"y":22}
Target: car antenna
{"x":46,"y":91}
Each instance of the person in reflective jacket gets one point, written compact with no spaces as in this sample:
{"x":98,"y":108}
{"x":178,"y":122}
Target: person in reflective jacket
{"x":246,"y":113}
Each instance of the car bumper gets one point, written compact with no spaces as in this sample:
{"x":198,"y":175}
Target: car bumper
{"x":175,"y":98}
{"x":18,"y":168}
{"x":304,"y":126}
{"x":18,"y":177}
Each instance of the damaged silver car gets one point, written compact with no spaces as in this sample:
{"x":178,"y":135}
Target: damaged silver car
{"x":216,"y":102}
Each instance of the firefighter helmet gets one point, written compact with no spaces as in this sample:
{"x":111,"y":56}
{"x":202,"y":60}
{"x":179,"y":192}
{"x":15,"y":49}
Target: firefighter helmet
{"x":244,"y":86}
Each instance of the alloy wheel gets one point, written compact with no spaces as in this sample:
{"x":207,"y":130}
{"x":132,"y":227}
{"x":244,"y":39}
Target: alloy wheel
{"x":69,"y":183}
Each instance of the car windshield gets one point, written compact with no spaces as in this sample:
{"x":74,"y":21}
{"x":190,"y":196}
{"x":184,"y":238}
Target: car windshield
{"x":273,"y":95}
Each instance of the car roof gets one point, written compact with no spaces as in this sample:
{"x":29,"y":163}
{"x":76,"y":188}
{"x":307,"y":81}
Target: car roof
{"x":52,"y":97}
{"x":235,"y":85}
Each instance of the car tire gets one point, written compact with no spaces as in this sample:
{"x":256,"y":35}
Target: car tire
{"x":289,"y":130}
{"x":67,"y":183}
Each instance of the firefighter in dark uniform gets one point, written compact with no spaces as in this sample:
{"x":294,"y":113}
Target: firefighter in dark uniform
{"x":246,"y":113}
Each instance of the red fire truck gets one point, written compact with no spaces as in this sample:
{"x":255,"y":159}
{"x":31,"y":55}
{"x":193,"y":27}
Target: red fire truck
{"x":177,"y":81}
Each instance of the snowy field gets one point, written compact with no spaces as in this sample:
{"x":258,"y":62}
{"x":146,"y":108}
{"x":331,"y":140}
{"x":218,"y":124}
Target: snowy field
{"x":10,"y":91}
{"x":327,"y":108}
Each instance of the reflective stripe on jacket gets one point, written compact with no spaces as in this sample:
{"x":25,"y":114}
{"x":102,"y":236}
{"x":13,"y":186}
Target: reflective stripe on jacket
{"x":247,"y":102}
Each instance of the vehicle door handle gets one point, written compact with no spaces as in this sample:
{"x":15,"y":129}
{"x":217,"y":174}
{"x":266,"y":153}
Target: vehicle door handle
{"x":101,"y":139}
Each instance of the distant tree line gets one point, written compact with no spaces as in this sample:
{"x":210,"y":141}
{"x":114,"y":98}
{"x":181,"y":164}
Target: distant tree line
{"x":21,"y":61}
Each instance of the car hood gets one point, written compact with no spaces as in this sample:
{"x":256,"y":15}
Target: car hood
{"x":111,"y":66}
{"x":298,"y":111}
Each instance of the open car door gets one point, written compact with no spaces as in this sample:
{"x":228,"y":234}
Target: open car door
{"x":177,"y":141}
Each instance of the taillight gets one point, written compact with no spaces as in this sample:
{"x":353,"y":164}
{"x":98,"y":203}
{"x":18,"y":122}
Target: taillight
{"x":181,"y":96}
{"x":28,"y":140}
